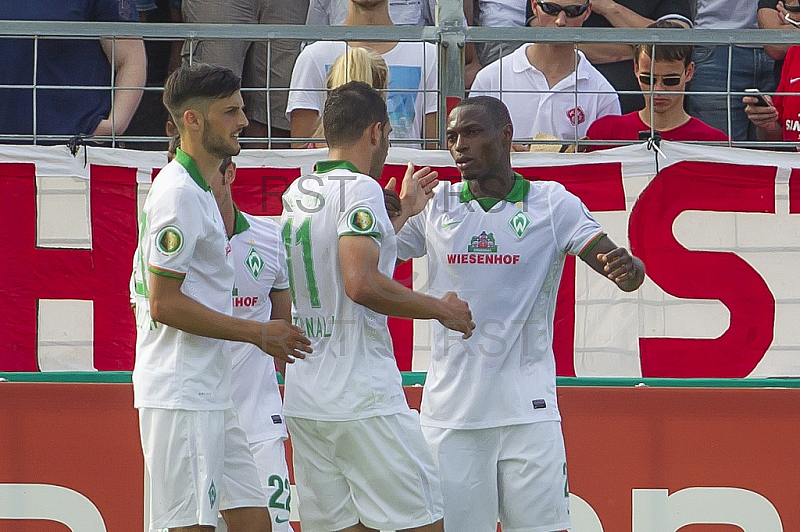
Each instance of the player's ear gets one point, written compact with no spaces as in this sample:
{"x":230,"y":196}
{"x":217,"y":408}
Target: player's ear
{"x":376,"y":133}
{"x":230,"y":174}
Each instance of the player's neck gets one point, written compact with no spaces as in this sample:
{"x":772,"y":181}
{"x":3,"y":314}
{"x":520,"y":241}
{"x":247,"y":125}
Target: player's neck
{"x":355,"y":155}
{"x":671,"y":119}
{"x":228,"y":216}
{"x":493,"y":187}
{"x":207,"y":163}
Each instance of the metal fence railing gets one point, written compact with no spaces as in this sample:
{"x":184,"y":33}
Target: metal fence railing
{"x":450,"y":37}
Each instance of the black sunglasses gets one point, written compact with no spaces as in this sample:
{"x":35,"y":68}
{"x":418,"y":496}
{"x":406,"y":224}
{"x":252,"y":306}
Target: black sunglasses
{"x":668,"y":81}
{"x":553,"y":9}
{"x":791,"y":9}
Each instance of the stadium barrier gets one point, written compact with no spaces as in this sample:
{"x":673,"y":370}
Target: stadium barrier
{"x":718,"y":229}
{"x":449,"y":35}
{"x":644,"y":455}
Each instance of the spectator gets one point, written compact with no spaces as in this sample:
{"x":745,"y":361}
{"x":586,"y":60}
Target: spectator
{"x":538,"y":81}
{"x":613,"y":60}
{"x":778,"y":120}
{"x":70,"y":62}
{"x":772,"y":15}
{"x":750,"y":67}
{"x":402,"y":12}
{"x":494,"y":14}
{"x":668,"y":71}
{"x":266,"y":109}
{"x":358,"y":64}
{"x":412,"y":68}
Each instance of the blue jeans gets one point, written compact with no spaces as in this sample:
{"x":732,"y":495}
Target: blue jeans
{"x":750,"y":68}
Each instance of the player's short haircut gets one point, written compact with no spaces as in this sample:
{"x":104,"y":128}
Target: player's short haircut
{"x":496,"y":110}
{"x":349,"y":110}
{"x":197,"y":85}
{"x":665,"y":52}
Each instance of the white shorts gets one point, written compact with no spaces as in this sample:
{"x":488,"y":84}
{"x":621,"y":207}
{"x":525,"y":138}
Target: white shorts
{"x":199,"y":463}
{"x":377,"y":471}
{"x":270,"y":456}
{"x":516,"y":473}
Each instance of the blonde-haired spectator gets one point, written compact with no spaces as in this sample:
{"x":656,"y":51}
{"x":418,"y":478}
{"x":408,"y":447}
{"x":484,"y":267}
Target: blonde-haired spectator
{"x":357,"y":64}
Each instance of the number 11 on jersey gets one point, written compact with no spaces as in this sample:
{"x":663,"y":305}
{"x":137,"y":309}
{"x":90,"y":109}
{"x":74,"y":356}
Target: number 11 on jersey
{"x":302,"y":237}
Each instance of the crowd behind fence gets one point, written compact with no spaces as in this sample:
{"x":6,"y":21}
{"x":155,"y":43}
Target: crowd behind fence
{"x":450,"y":37}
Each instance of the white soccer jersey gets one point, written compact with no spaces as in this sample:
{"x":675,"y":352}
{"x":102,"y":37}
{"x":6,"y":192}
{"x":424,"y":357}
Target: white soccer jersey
{"x":352,"y":373}
{"x":412,"y":67}
{"x":182,"y":235}
{"x":536,"y":107}
{"x":506,"y":263}
{"x":260,"y":264}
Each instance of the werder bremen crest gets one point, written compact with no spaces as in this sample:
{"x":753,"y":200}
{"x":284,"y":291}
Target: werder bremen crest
{"x":254,"y":263}
{"x":519,"y":223}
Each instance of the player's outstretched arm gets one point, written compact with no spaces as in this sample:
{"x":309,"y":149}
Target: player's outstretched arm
{"x":366,"y":285}
{"x":281,"y":310}
{"x":616,"y":263}
{"x":415,"y":192}
{"x":170,"y":306}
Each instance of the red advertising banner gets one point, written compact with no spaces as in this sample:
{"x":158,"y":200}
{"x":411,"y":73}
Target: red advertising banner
{"x":640,"y":458}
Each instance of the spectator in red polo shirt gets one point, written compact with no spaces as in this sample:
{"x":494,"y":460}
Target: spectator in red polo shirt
{"x":780,"y":118}
{"x":669,"y":72}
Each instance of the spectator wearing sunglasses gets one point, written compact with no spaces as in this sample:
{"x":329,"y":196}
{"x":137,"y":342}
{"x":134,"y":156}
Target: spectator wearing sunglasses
{"x":614,"y":60}
{"x":663,"y":111}
{"x":540,"y":84}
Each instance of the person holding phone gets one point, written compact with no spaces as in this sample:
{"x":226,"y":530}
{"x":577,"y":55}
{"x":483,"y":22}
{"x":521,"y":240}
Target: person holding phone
{"x":778,"y":118}
{"x":662,"y":74}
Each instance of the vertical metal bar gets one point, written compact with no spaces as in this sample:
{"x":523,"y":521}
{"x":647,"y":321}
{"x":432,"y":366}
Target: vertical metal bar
{"x":269,"y":94}
{"x":113,"y":91}
{"x":728,"y":94}
{"x":450,"y":18}
{"x":35,"y":83}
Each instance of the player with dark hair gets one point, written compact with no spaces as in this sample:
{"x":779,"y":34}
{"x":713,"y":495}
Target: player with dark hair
{"x":360,"y":460}
{"x":197,"y":455}
{"x":489,"y":409}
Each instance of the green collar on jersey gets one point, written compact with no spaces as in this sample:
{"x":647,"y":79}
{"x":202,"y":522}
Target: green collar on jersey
{"x":188,"y":163}
{"x":241,"y":224}
{"x":517,"y":193}
{"x":326,"y":166}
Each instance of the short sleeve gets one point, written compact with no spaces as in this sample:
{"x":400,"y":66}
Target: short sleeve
{"x":767,"y":4}
{"x":174,"y":226}
{"x":573,"y":225}
{"x":363,"y":211}
{"x":411,"y":242}
{"x":307,"y":87}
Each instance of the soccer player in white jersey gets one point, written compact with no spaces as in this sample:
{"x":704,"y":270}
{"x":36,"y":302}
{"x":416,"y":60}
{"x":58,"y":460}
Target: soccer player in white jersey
{"x":261,"y":290}
{"x":195,"y":452}
{"x":360,"y":460}
{"x":489,"y":407}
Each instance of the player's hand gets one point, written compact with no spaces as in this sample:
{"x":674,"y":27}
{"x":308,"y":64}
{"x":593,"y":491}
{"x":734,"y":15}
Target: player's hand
{"x":417,"y":189}
{"x":623,"y":268}
{"x":458,"y":315}
{"x":284,"y":341}
{"x":391,"y":198}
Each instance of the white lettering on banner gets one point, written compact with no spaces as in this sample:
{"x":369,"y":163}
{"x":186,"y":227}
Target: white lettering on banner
{"x":655,"y":510}
{"x":50,"y":503}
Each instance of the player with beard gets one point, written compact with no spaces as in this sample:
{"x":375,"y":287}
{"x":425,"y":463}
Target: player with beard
{"x":360,"y":461}
{"x":196,"y":453}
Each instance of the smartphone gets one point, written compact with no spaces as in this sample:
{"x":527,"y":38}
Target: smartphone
{"x":755,"y":93}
